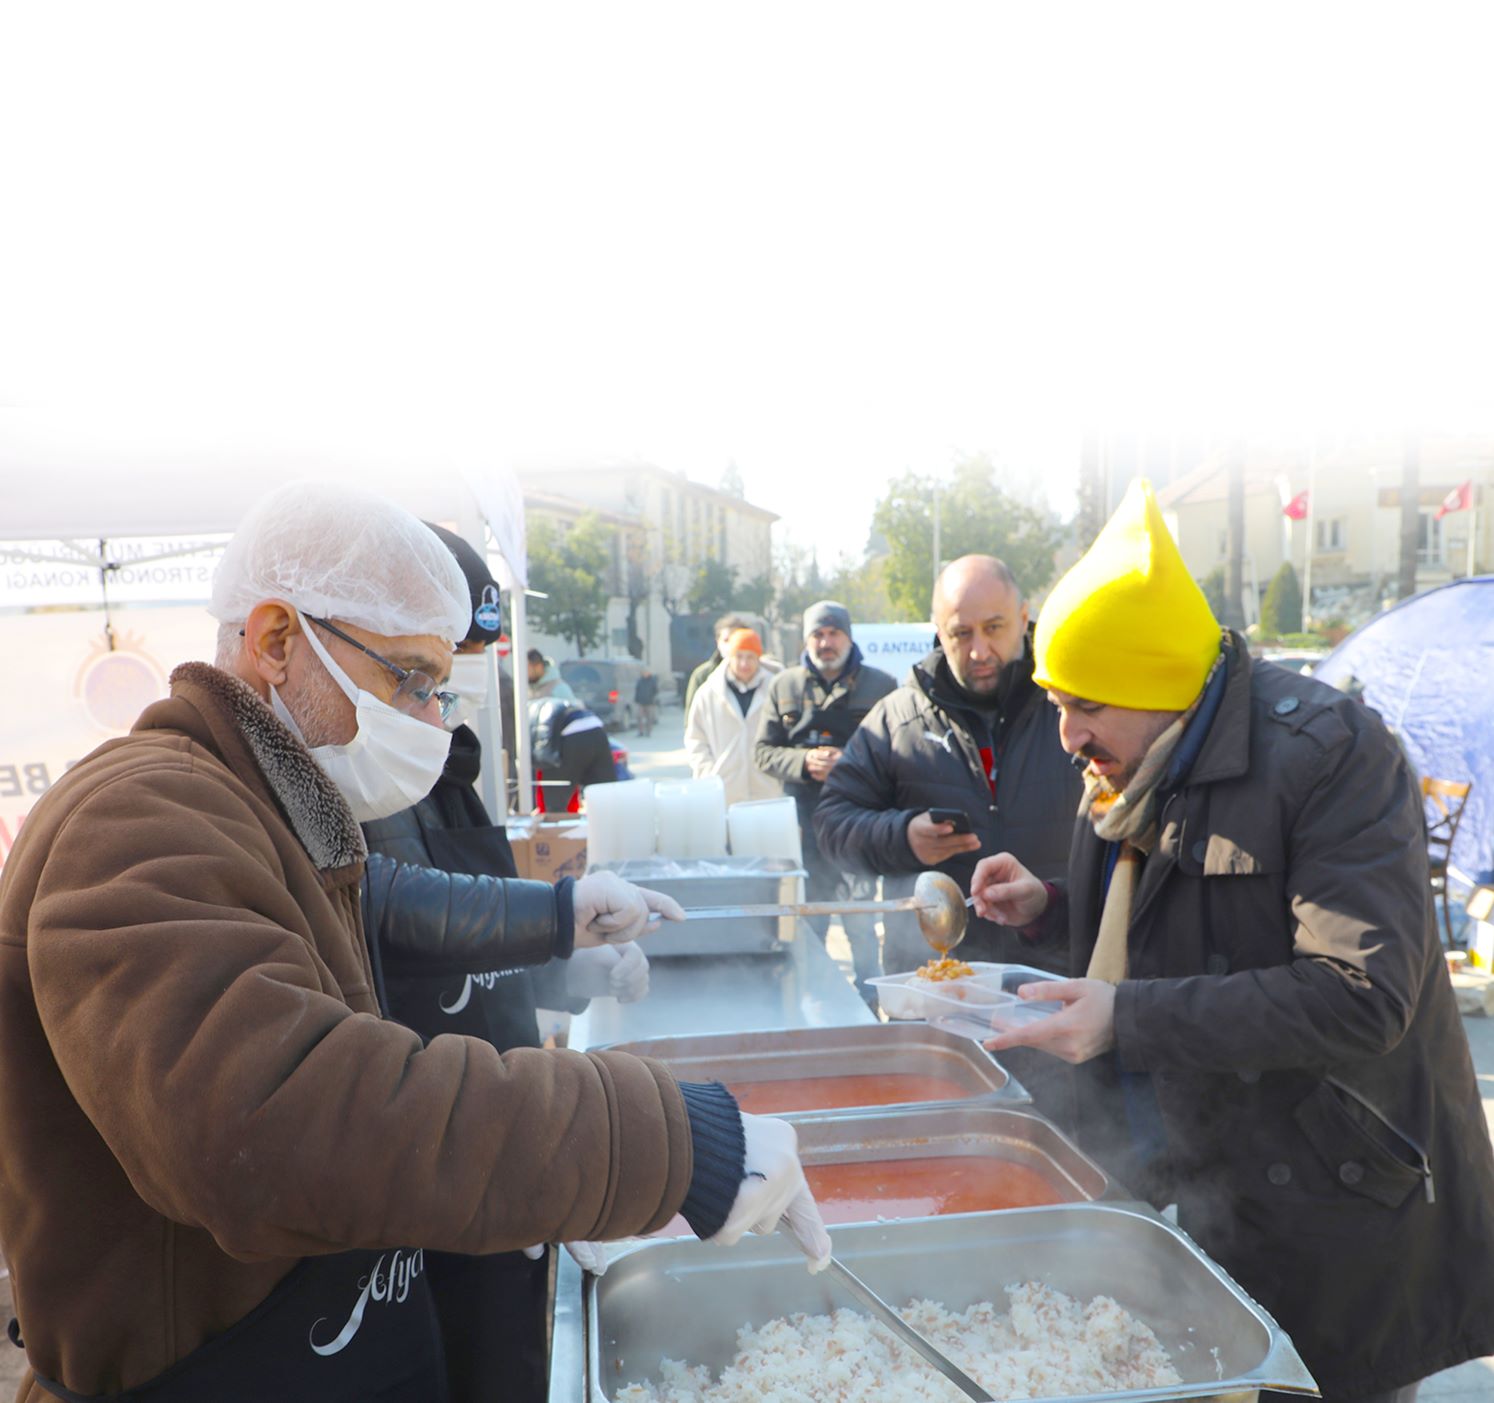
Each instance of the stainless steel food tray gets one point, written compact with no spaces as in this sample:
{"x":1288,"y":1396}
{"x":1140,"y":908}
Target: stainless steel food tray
{"x":717,"y":881}
{"x":999,"y":1132}
{"x":636,"y":1313}
{"x":790,"y":1053}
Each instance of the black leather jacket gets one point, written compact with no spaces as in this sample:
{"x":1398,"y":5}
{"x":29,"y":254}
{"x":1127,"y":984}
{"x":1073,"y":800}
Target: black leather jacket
{"x":459,"y":945}
{"x":429,"y":922}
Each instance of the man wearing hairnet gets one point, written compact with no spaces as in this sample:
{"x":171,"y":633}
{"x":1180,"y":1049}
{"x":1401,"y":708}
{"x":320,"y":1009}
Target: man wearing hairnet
{"x":221,"y":1165}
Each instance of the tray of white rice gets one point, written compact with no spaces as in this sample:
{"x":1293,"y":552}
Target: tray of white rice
{"x":875,"y":1066}
{"x":1072,"y":1301}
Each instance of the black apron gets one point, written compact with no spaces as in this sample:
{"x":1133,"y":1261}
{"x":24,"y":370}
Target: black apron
{"x":358,"y":1327}
{"x":492,"y":1309}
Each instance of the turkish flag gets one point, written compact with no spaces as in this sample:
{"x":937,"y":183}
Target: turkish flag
{"x":1296,"y":509}
{"x":1458,"y":500}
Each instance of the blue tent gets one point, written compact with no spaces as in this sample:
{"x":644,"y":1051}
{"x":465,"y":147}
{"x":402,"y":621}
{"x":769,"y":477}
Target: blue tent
{"x":1427,"y":666}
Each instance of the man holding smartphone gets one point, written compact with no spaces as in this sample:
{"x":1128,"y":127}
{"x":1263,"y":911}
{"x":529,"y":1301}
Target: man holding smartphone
{"x":962,"y":759}
{"x":811,"y":712}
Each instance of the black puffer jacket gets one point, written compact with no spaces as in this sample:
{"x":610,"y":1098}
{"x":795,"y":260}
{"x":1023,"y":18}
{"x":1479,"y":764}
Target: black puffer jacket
{"x":919,"y":750}
{"x":1289,"y":1009}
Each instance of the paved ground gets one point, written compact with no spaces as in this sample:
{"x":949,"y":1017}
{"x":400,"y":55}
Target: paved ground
{"x":661,"y":756}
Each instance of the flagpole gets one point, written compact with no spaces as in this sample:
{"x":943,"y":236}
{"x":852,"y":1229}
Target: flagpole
{"x":1472,"y":532}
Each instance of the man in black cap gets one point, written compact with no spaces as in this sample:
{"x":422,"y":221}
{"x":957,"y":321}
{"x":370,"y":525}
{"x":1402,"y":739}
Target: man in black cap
{"x":428,"y":941}
{"x":811,"y":711}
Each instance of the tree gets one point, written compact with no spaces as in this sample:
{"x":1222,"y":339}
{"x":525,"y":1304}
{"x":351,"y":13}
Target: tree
{"x":731,"y":481}
{"x":862,"y":587}
{"x":639,"y":583}
{"x":756,"y":597}
{"x":1234,"y":561}
{"x":977,"y":518}
{"x":1281,"y":613}
{"x":570,"y":569}
{"x":713,"y":589}
{"x":797,"y":572}
{"x":1212,"y":586}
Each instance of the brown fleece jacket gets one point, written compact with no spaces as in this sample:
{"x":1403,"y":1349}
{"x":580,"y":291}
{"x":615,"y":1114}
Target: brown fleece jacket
{"x":199,"y":1089}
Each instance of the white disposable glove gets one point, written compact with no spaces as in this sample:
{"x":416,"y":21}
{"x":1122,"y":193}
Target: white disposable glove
{"x":618,"y":970}
{"x":774,"y":1191}
{"x":610,"y":911}
{"x":589,"y":1256}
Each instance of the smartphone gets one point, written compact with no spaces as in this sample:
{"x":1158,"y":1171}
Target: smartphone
{"x":958,"y":817}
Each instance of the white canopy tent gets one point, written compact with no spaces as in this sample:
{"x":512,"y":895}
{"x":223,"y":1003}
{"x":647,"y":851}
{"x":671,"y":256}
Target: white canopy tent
{"x":87,"y":479}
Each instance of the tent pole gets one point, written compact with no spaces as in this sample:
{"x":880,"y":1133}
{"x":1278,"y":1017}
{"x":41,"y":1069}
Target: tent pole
{"x":525,"y":798}
{"x":493,"y":775}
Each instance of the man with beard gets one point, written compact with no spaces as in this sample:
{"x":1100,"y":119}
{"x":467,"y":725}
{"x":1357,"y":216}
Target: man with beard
{"x":223,"y":1165}
{"x":810,"y":715}
{"x":967,"y":731}
{"x":1266,"y":1028}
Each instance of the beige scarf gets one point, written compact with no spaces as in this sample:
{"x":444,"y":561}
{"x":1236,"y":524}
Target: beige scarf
{"x":1130,"y":819}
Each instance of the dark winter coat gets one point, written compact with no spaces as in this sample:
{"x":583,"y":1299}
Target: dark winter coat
{"x":1318,"y":1122}
{"x":803,"y":711}
{"x":918,"y":750}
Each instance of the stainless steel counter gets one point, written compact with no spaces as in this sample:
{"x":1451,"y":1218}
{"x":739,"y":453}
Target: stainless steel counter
{"x":799,"y":988}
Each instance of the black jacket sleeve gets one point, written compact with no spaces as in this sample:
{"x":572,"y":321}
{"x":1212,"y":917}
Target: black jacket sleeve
{"x":855,"y":822}
{"x":773,"y":752}
{"x":425,"y":921}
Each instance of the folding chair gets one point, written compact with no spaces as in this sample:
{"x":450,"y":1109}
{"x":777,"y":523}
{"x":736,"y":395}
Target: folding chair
{"x":1446,"y":799}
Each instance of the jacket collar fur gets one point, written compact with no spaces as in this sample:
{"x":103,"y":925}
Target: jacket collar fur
{"x":239,"y":721}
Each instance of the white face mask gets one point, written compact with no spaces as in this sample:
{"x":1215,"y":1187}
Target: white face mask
{"x":392,"y":761}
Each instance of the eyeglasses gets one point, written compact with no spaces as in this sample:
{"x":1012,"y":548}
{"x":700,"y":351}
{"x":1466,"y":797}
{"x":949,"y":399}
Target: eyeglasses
{"x":415,"y":690}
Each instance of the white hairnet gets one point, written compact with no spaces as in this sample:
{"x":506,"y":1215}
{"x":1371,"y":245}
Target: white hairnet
{"x":342,"y":552}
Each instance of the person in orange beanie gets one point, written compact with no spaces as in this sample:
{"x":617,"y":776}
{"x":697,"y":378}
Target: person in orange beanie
{"x":723,"y":721}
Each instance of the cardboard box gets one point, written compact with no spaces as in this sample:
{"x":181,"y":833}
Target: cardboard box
{"x":546,"y":851}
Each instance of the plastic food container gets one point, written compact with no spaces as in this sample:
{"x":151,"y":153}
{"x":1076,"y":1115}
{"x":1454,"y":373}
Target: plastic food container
{"x":980,"y":1004}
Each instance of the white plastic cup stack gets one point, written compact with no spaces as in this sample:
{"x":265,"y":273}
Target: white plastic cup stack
{"x":619,"y":821}
{"x":671,"y":803}
{"x":705,"y":809}
{"x":765,"y":828}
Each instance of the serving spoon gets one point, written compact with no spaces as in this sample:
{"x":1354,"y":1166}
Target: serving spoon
{"x":941,"y":907}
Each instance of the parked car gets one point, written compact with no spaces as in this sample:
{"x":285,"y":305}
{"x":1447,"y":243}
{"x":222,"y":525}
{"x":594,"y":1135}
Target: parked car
{"x":605,"y":686}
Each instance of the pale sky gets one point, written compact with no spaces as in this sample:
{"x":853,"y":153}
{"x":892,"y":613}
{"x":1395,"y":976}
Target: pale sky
{"x":830,"y":241}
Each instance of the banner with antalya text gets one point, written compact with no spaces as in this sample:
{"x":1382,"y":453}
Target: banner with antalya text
{"x":894,"y":647}
{"x":67,"y":691}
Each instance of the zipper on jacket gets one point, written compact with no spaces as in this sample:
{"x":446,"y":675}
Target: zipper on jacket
{"x":1425,"y":1168}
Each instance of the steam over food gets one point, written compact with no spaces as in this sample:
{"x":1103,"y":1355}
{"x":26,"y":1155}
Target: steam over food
{"x":1046,"y":1345}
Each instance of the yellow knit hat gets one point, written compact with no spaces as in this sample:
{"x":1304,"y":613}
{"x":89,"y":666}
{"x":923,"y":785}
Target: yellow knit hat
{"x":1128,"y":625}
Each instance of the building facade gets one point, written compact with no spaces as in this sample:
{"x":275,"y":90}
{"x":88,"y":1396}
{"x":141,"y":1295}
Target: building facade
{"x":1346,"y":548}
{"x":664,"y":526}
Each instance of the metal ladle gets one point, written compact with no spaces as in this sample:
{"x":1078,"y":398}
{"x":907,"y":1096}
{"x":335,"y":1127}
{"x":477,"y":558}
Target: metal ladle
{"x":937,"y":900}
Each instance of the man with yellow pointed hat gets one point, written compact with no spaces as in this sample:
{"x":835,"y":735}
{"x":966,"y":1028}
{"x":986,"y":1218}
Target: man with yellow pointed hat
{"x":1267,"y":1030}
